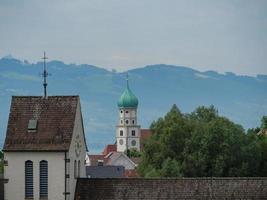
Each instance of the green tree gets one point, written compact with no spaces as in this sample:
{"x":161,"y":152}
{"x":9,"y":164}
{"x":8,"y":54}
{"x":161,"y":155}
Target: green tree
{"x":202,"y":143}
{"x":132,"y":153}
{"x":264,"y":122}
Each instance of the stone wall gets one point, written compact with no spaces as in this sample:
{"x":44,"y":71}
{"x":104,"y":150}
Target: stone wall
{"x":172,"y":188}
{"x":1,"y":187}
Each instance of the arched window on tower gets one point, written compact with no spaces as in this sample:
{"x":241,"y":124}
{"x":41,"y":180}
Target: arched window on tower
{"x":44,"y":179}
{"x":121,"y":132}
{"x":28,"y":179}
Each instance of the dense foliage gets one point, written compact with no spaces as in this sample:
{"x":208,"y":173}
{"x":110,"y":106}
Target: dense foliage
{"x":201,"y":144}
{"x":132,"y":153}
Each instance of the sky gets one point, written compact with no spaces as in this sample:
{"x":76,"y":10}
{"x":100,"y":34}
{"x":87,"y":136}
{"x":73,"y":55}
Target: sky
{"x":223,"y":35}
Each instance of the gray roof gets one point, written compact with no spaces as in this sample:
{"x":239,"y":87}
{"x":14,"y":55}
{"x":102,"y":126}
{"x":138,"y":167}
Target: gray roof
{"x":105,"y":171}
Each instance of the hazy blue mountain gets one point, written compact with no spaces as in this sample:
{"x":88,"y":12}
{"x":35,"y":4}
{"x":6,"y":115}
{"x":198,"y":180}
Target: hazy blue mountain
{"x":241,"y":98}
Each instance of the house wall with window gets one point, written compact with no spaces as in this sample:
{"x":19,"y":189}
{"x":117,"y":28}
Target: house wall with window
{"x":48,"y":130}
{"x":15,"y":172}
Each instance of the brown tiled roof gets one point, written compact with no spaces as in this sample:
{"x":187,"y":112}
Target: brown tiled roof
{"x":110,"y":148}
{"x":95,"y":158}
{"x":55,"y":122}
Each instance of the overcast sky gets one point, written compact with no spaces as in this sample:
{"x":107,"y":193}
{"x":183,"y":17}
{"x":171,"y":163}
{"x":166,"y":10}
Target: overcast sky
{"x":222,"y":35}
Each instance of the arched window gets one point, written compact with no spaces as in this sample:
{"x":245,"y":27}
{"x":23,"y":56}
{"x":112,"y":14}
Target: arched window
{"x":43,"y":179}
{"x":79,"y":169}
{"x":127,"y":121}
{"x":133,"y":121}
{"x":75,"y":169}
{"x":28,"y":179}
{"x":121,"y":132}
{"x":133,"y":132}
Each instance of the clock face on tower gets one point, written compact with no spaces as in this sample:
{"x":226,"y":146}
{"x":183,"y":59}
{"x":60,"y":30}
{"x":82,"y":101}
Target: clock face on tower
{"x":78,"y":145}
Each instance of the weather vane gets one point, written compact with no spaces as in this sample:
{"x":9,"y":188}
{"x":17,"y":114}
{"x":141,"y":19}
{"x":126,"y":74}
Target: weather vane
{"x":45,"y":75}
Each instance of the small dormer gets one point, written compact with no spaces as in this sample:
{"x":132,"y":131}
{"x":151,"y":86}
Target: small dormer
{"x":32,"y":125}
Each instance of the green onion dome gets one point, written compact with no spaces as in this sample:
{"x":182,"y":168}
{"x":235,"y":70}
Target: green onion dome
{"x":128,"y":99}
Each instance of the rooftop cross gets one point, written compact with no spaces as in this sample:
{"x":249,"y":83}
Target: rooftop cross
{"x":45,"y":74}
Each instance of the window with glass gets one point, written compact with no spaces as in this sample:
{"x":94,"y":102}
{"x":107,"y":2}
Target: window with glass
{"x":29,"y":179}
{"x":133,"y":132}
{"x":121,"y":132}
{"x":43,"y":179}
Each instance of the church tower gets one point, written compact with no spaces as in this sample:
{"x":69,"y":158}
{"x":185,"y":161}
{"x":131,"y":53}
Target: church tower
{"x":128,"y":130}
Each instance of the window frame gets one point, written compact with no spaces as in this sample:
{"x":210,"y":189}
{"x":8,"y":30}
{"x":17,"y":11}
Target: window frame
{"x":121,"y":132}
{"x":29,"y":185}
{"x":45,"y":184}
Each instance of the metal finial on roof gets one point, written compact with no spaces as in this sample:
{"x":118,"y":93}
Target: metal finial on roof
{"x":127,"y":79}
{"x":45,"y":74}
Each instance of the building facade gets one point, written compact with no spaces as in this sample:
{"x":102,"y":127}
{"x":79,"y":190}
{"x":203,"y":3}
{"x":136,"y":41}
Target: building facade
{"x":44,"y":149}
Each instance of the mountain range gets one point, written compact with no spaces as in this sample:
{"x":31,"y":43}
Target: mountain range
{"x":243,"y":99}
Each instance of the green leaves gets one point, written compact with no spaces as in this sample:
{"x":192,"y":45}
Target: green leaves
{"x":202,"y":143}
{"x":264,"y":122}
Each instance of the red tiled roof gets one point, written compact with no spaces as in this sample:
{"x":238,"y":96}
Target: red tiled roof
{"x":55,"y":122}
{"x":110,"y":148}
{"x":131,"y":173}
{"x":95,"y":158}
{"x":144,"y":134}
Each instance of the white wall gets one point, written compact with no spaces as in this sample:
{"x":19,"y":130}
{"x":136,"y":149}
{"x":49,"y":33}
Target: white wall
{"x":78,"y":130}
{"x":15,"y":172}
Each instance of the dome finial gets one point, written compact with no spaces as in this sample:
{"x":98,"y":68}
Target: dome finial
{"x":127,"y":79}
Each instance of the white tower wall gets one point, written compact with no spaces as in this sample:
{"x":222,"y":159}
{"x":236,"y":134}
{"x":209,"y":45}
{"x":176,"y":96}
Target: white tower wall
{"x":127,"y":130}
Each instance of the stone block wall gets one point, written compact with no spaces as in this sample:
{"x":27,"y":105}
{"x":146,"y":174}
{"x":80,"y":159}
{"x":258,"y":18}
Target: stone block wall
{"x":172,"y":188}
